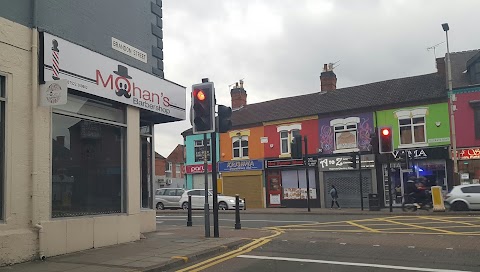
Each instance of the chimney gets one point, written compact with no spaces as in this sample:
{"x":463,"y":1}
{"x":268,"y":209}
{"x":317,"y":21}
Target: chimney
{"x":61,"y":140}
{"x":441,"y":70}
{"x":239,"y":96}
{"x":328,"y":79}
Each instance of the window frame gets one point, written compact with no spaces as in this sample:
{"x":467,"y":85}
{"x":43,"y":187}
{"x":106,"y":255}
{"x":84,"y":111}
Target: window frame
{"x":285,"y":139}
{"x":168,"y":168}
{"x":196,"y":144}
{"x":412,"y":125}
{"x":104,"y":122}
{"x":240,"y":148}
{"x":178,"y":168}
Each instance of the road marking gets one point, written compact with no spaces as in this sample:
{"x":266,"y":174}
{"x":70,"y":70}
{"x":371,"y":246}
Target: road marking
{"x":232,"y":254}
{"x":411,"y":246}
{"x":449,"y":221}
{"x":348,"y":263}
{"x":418,"y":227}
{"x":361,"y":226}
{"x":450,"y":248}
{"x":177,"y":216}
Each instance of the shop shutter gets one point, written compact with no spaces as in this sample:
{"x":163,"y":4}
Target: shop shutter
{"x":347,"y":184}
{"x":248,"y":187}
{"x":199,"y":181}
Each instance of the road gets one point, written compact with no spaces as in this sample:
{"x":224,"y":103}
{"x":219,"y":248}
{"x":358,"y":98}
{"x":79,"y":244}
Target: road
{"x":351,"y":243}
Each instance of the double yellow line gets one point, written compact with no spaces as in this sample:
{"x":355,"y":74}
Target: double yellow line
{"x":234,"y":253}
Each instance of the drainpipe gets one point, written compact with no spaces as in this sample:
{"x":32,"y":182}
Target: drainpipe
{"x":34,"y":80}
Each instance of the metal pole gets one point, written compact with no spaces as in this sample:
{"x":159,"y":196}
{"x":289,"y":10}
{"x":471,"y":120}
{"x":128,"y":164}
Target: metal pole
{"x":452,"y":111}
{"x":360,"y":176}
{"x":214,"y":184}
{"x":389,"y":180}
{"x":306,"y":171}
{"x":189,"y":212}
{"x":205,"y":171}
{"x":237,"y":212}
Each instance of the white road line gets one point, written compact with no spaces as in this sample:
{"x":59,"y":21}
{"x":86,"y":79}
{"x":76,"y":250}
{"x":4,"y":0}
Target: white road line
{"x":177,"y":218}
{"x":348,"y":263}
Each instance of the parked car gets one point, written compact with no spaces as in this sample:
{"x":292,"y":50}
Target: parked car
{"x":464,"y":197}
{"x":168,"y":198}
{"x":198,"y":200}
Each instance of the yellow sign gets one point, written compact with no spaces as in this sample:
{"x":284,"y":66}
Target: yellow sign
{"x":437,"y":198}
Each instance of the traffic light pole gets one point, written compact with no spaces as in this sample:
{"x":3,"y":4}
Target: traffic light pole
{"x":214,"y":184}
{"x":205,"y":171}
{"x":360,"y":177}
{"x":307,"y":174}
{"x":389,"y":180}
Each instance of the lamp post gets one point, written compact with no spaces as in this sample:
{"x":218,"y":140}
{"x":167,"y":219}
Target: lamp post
{"x":452,"y":106}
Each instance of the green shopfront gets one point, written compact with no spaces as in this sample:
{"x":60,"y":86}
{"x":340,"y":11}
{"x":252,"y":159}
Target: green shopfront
{"x":421,"y":137}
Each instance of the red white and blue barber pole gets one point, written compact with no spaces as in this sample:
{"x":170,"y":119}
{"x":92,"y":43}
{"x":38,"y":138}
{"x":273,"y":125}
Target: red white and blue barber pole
{"x":55,"y":60}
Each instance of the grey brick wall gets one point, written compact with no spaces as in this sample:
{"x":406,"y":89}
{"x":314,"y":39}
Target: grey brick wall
{"x":93,"y":23}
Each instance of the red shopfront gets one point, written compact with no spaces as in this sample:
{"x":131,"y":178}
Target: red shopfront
{"x":469,"y":165}
{"x":286,"y":184}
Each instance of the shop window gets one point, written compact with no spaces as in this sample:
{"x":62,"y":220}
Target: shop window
{"x":2,"y":142}
{"x":199,"y":150}
{"x":146,"y":172}
{"x":87,"y":167}
{"x":345,"y":134}
{"x":294,"y":184}
{"x":240,"y":146}
{"x":411,"y":125}
{"x":476,"y":114}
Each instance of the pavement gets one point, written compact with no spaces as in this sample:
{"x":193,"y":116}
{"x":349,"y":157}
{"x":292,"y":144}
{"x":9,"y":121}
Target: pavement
{"x":164,"y":249}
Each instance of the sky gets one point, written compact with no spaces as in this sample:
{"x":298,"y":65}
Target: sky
{"x":279,"y":47}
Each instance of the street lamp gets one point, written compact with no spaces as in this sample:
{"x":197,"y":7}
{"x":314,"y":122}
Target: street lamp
{"x":452,"y":106}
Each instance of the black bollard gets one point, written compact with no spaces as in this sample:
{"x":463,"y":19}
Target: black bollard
{"x":237,"y":212}
{"x":189,"y":212}
{"x":244,"y":204}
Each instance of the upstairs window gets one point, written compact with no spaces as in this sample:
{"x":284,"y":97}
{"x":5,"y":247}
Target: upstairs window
{"x":199,"y":152}
{"x":240,"y":146}
{"x":412,"y":126}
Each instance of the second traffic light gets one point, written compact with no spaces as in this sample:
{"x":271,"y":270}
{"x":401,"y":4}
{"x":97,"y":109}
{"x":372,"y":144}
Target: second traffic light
{"x":385,"y":140}
{"x":203,"y":107}
{"x":296,"y":147}
{"x":224,"y":115}
{"x":353,"y":161}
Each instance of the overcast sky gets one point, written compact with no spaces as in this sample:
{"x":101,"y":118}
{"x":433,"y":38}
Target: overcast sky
{"x":279,"y":47}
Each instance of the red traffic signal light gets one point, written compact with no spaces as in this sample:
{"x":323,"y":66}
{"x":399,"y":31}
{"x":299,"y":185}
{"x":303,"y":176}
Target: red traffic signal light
{"x":203,"y":108}
{"x":385,"y":132}
{"x":385,"y":141}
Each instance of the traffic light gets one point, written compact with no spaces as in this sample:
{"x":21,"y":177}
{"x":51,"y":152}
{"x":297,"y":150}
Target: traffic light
{"x":203,"y":107}
{"x":385,"y":140}
{"x":296,"y":147}
{"x":353,"y":161}
{"x":224,"y":115}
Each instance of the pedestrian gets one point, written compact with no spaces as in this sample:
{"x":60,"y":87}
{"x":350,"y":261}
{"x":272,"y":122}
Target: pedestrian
{"x":334,"y":195}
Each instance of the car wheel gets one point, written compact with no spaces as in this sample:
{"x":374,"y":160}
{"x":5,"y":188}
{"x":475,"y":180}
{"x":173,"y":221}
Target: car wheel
{"x":222,"y":206}
{"x":185,"y":205}
{"x":160,"y":206}
{"x":459,"y":206}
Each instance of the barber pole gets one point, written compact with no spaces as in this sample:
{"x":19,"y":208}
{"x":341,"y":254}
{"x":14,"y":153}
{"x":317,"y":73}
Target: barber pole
{"x":55,"y":60}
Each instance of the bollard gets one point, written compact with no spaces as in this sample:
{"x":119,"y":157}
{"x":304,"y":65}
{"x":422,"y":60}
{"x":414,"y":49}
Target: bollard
{"x":237,"y":212}
{"x":244,"y":204}
{"x":189,"y":212}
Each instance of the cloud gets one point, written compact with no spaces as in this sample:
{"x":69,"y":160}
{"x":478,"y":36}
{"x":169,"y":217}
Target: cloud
{"x":279,"y":47}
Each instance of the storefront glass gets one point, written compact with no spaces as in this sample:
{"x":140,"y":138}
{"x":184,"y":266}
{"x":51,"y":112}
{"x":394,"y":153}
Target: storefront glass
{"x":2,"y":141}
{"x":87,"y":159}
{"x":469,"y":171}
{"x":146,"y":172}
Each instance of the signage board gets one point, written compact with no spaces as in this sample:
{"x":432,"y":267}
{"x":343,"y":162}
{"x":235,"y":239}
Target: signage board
{"x":53,"y":93}
{"x":129,"y":50}
{"x":341,"y":163}
{"x":283,"y":163}
{"x":244,"y":165}
{"x":93,"y":73}
{"x":197,"y":169}
{"x":468,"y":153}
{"x":420,"y":153}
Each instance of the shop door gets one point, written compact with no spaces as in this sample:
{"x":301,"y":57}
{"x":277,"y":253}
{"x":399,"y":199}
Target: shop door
{"x":199,"y":181}
{"x":404,"y":174}
{"x":348,"y":187}
{"x":248,"y":187}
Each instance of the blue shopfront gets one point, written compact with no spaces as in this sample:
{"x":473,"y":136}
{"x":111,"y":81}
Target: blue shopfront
{"x":245,"y":178}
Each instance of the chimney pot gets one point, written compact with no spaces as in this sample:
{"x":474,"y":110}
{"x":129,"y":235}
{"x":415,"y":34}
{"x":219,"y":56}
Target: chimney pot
{"x":239,"y":96}
{"x":328,"y":79}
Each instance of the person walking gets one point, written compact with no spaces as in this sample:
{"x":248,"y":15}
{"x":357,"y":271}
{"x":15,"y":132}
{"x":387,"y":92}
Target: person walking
{"x":334,"y":195}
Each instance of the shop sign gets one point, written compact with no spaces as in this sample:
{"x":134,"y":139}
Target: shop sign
{"x":420,"y":154}
{"x":234,"y":166}
{"x":93,"y":73}
{"x":343,"y":163}
{"x":53,"y":93}
{"x":468,"y":154}
{"x":283,"y":163}
{"x":197,"y":169}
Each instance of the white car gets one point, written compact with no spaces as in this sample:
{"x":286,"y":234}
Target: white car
{"x":198,"y":200}
{"x":464,"y":197}
{"x":168,"y":198}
